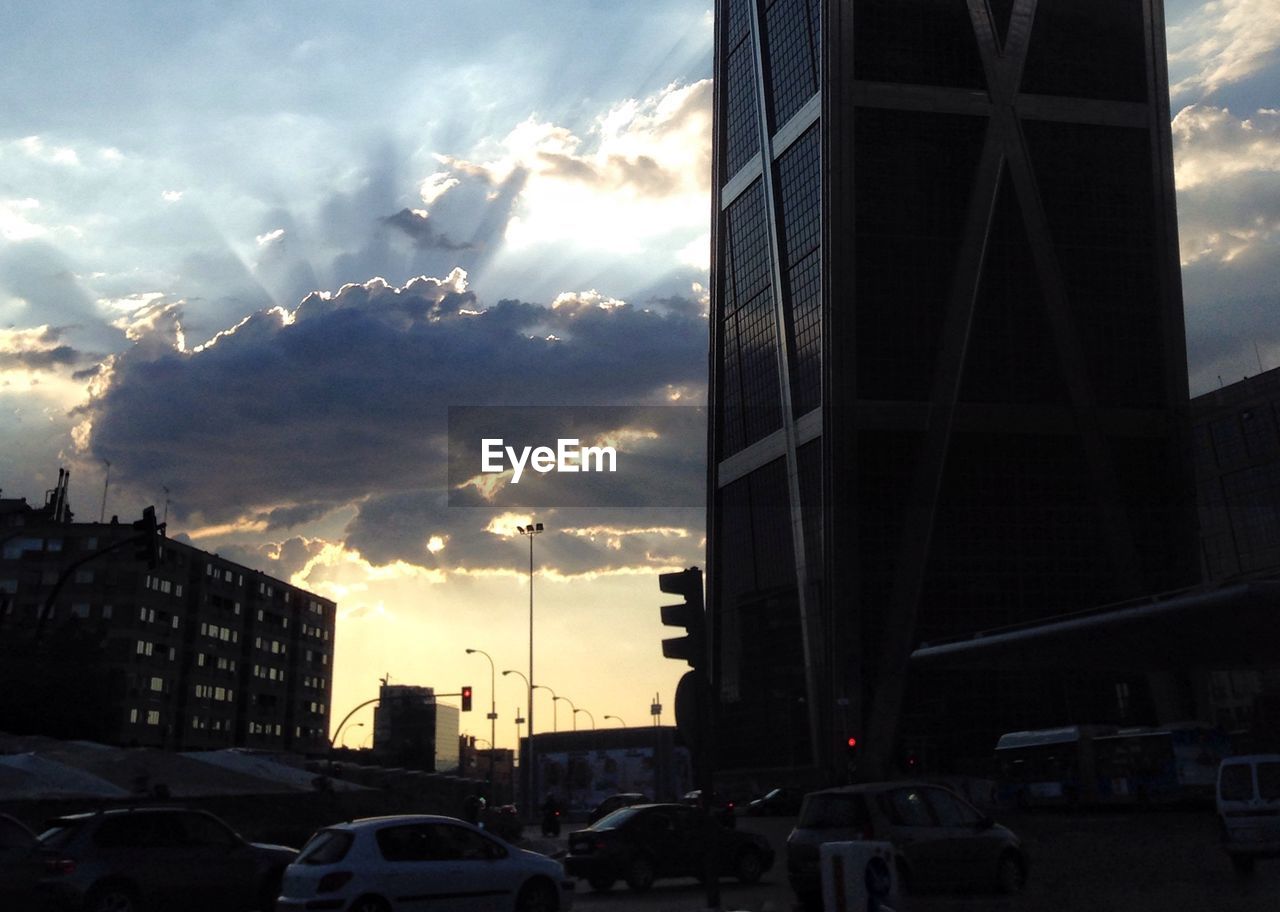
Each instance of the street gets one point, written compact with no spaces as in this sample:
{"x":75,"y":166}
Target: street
{"x":1131,"y":861}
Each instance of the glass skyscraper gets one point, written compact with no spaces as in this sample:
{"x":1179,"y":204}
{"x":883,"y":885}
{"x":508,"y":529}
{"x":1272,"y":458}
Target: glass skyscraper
{"x":948,"y":367}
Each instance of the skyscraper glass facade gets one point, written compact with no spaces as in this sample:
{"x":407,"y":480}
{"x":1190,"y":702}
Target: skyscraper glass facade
{"x":949,"y":386}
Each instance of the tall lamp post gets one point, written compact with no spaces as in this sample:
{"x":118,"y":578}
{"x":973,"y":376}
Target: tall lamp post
{"x":493,"y":713}
{"x":618,"y":719}
{"x":555,"y":716}
{"x":589,"y":716}
{"x":571,"y":706}
{"x":531,"y":530}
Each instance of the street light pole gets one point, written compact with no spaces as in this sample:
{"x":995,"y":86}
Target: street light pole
{"x":571,"y":706}
{"x":531,"y":530}
{"x":589,"y":716}
{"x":493,"y":713}
{"x":618,"y":719}
{"x":527,"y":759}
{"x":555,"y":716}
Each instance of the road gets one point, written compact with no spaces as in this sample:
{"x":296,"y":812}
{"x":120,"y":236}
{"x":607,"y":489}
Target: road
{"x":1151,"y":861}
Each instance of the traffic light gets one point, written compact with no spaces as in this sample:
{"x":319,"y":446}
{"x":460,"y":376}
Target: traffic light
{"x":851,"y":749}
{"x":466,"y":699}
{"x":688,"y":614}
{"x":147,"y":535}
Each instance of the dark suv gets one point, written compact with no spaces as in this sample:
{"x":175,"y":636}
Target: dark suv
{"x":939,"y":839}
{"x":159,"y":858}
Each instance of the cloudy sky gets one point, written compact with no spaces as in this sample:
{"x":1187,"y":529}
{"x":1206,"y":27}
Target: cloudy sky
{"x":252,"y":253}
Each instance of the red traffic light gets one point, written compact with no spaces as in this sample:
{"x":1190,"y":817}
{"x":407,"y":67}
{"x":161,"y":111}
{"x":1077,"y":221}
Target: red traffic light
{"x":466,"y":699}
{"x":853,"y":742}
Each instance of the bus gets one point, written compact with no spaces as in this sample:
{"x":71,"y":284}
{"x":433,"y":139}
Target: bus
{"x":1094,"y":764}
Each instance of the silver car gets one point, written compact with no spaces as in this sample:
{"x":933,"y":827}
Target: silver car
{"x":420,"y":862}
{"x":940,"y":840}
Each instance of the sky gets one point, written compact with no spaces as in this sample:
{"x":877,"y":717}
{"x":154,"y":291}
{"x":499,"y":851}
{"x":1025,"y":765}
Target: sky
{"x":252,"y":253}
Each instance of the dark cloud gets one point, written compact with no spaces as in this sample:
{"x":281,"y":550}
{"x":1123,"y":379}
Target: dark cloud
{"x":41,"y":359}
{"x":399,"y":527}
{"x":345,"y":399}
{"x":288,"y":517}
{"x":416,"y":225}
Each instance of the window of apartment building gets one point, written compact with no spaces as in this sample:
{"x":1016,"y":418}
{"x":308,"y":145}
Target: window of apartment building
{"x":145,"y":647}
{"x":157,"y":685}
{"x":173,"y":653}
{"x":54,"y":544}
{"x":9,"y":586}
{"x":174,"y":621}
{"x":153,"y":717}
{"x":133,"y":716}
{"x":15,"y":549}
{"x":91,"y":543}
{"x":200,"y":659}
{"x":84,"y":576}
{"x":106,"y":612}
{"x":80,"y":610}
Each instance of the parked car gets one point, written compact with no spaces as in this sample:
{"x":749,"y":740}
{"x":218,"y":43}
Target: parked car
{"x":719,"y":805}
{"x":779,"y":802}
{"x":939,"y":839}
{"x":646,"y":842}
{"x":385,"y":864}
{"x":1248,"y":802}
{"x":128,"y":859}
{"x":22,"y":864}
{"x":613,"y":802}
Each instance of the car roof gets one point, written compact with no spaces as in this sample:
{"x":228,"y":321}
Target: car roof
{"x":1251,"y":758}
{"x":117,"y":812}
{"x":370,"y":823}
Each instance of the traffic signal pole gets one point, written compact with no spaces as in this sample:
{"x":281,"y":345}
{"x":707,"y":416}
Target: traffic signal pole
{"x":695,"y":715}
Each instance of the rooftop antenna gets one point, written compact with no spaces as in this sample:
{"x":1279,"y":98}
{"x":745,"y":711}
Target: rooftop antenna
{"x":166,"y":505}
{"x":1257,"y":355}
{"x":106,"y":481}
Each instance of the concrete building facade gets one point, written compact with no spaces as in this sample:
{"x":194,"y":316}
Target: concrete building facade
{"x":198,"y":652}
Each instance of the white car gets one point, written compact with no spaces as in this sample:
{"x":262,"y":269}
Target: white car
{"x":385,"y":864}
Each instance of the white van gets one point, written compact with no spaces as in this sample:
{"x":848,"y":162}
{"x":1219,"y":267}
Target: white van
{"x":1249,"y":808}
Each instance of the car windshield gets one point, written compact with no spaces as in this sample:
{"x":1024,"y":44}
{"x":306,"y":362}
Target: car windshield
{"x":832,"y":812}
{"x":326,"y":847}
{"x":615,"y":819}
{"x":1236,"y":782}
